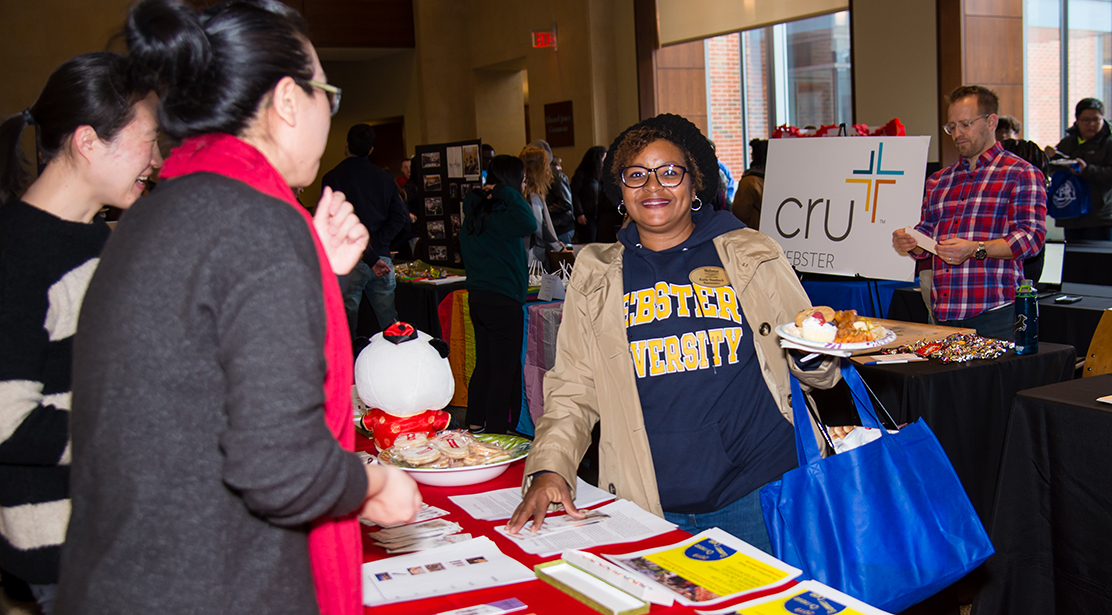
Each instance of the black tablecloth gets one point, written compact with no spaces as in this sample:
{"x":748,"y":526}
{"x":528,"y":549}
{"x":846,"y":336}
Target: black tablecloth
{"x":907,"y":305}
{"x":416,"y":303}
{"x":1072,"y":323}
{"x":419,"y":304}
{"x":1053,"y":519}
{"x":1059,"y":323}
{"x":965,"y":404}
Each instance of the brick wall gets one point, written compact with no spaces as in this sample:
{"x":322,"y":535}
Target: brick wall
{"x":724,"y":100}
{"x":1044,"y":81}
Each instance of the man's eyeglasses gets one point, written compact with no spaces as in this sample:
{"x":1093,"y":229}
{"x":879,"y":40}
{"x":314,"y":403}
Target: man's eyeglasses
{"x":331,"y":91}
{"x":963,"y":124}
{"x":667,"y":175}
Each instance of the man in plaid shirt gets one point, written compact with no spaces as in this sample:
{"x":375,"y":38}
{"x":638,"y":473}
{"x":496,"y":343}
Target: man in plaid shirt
{"x":988,"y":212}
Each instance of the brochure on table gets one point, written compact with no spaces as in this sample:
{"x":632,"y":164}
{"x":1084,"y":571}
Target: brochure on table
{"x":500,"y":504}
{"x":806,"y":597}
{"x":473,"y":564}
{"x":708,"y":568}
{"x":624,"y":522}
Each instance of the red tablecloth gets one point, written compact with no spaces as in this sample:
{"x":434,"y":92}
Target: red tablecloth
{"x":542,"y":598}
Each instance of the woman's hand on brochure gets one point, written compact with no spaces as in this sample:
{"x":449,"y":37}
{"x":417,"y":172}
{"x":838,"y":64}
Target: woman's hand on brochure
{"x":546,"y":488}
{"x":392,"y":496}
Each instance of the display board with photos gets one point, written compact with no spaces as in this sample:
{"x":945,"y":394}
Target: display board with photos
{"x":444,"y":174}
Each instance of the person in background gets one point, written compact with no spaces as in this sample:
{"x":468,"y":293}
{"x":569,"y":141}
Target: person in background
{"x":538,"y":178}
{"x":402,"y":244}
{"x":586,"y":186}
{"x":212,"y":427}
{"x":496,"y":222}
{"x":1008,"y":132}
{"x":1088,"y":142}
{"x":690,"y":435}
{"x":486,"y":154}
{"x":564,"y":212}
{"x":406,"y":170}
{"x":725,"y":178}
{"x":97,"y":127}
{"x":987,"y":211}
{"x":1008,"y":127}
{"x":558,"y":198}
{"x":380,"y":208}
{"x":750,"y":190}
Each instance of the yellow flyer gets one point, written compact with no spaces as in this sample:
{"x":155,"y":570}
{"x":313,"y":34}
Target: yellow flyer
{"x":708,"y":568}
{"x":806,"y":598}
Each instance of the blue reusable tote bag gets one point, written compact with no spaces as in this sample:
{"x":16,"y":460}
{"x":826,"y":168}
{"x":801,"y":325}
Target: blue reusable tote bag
{"x":888,"y":523}
{"x":1068,"y":196}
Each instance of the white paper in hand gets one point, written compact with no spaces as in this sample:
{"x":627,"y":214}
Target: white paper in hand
{"x":924,"y":242}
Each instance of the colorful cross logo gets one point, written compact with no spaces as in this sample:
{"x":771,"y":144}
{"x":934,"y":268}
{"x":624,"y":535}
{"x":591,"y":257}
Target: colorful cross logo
{"x":878,"y":157}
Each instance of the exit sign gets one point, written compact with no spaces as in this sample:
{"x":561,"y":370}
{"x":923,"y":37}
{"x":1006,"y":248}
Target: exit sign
{"x":544,"y":39}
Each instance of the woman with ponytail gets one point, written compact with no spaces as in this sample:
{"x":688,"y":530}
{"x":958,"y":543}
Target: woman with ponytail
{"x":97,"y":131}
{"x":213,"y":372}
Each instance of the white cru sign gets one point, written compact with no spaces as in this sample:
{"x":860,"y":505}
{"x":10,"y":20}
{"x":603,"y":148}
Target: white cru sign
{"x":832,"y":203}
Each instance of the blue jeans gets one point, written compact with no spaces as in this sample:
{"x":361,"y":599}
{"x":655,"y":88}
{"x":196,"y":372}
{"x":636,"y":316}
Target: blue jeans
{"x":44,"y":596}
{"x":743,"y":519}
{"x":998,"y":323}
{"x":380,"y":293}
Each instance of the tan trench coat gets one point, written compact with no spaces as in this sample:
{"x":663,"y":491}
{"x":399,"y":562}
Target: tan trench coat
{"x":593,"y":378}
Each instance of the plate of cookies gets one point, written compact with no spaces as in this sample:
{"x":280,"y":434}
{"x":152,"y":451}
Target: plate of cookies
{"x":823,"y":328}
{"x":454,"y":457}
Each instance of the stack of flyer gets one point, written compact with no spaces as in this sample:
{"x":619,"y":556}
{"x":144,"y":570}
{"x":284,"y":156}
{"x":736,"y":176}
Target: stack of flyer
{"x":708,"y":569}
{"x":452,"y":568}
{"x":806,"y":597}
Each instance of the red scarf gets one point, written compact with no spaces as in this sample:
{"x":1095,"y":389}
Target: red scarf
{"x":335,"y":544}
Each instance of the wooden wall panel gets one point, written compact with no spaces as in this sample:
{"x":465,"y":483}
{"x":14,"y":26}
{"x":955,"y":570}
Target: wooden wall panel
{"x":950,"y":68}
{"x":1011,"y":98}
{"x":646,"y":33}
{"x":994,"y":49}
{"x":686,"y":55}
{"x":681,"y":82}
{"x":995,"y":8}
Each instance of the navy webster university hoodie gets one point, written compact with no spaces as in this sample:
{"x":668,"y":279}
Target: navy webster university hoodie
{"x":715,"y":431}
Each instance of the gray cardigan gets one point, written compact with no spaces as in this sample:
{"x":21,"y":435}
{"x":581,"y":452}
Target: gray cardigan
{"x":200,"y":453}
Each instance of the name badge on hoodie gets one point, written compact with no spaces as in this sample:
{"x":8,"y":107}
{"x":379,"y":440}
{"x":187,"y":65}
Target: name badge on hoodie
{"x":710,"y":277}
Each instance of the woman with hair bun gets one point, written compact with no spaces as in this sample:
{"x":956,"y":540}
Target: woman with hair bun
{"x":212,"y":375}
{"x":97,"y":131}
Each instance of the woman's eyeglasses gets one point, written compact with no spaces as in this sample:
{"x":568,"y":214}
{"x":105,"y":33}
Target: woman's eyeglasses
{"x":331,"y":91}
{"x":667,"y":175}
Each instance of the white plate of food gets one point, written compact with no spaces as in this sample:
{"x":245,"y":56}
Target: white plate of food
{"x":793,"y":334}
{"x":474,"y":458}
{"x":821,"y":328}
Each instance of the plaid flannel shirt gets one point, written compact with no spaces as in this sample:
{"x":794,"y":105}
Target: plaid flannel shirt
{"x":1005,"y":198}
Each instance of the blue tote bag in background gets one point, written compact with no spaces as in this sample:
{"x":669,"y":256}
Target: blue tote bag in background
{"x":888,"y":523}
{"x":1068,"y":196}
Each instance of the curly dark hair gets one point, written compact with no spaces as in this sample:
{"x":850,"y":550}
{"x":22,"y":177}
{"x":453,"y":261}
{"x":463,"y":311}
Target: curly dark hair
{"x":698,"y":153}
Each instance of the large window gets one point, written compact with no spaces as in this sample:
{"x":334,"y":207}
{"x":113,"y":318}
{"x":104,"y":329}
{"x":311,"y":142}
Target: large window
{"x":796,"y":73}
{"x":1057,"y":75}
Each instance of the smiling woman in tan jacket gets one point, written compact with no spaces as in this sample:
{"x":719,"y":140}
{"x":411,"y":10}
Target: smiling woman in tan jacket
{"x":667,"y":343}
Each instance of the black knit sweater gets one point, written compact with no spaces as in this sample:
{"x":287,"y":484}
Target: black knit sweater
{"x":45,"y":266}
